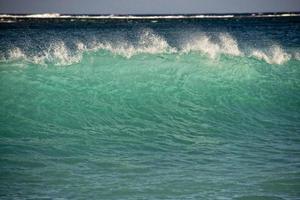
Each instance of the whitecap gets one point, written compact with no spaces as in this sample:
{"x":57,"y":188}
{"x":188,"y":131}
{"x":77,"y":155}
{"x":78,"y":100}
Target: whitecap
{"x":225,"y":44}
{"x":16,"y":54}
{"x":148,"y":42}
{"x":274,"y":55}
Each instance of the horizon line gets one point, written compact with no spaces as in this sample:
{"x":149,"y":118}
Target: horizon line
{"x":153,"y":14}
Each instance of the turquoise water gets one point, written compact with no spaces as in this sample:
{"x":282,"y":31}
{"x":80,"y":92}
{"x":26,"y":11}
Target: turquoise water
{"x":179,"y":109}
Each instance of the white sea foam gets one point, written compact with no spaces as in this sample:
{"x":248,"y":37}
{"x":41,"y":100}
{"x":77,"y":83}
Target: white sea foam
{"x":224,"y":45}
{"x":275,"y":55}
{"x":58,"y":53}
{"x":4,"y":20}
{"x":57,"y":15}
{"x":229,"y":45}
{"x":81,"y":46}
{"x":202,"y":44}
{"x":16,"y":54}
{"x":279,"y":15}
{"x":148,"y":42}
{"x":44,"y":15}
{"x":213,"y":16}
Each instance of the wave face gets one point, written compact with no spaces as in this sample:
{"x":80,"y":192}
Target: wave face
{"x":164,"y":109}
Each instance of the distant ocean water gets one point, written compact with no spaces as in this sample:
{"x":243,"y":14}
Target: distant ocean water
{"x":157,"y":108}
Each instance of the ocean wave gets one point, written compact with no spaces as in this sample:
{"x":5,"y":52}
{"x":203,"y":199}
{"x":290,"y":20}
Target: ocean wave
{"x":16,"y":54}
{"x":57,"y":54}
{"x":148,"y":42}
{"x":275,"y":55}
{"x":224,"y":45}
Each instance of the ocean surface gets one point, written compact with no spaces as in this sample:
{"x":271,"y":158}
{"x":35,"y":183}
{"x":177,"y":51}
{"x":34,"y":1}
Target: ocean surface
{"x":150,"y":108}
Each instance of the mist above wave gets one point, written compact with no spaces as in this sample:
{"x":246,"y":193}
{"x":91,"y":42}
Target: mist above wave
{"x":148,"y":42}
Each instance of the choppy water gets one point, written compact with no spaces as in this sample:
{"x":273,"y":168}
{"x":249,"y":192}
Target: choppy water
{"x":150,"y":109}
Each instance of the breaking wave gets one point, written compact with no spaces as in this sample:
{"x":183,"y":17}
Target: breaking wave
{"x":148,"y":43}
{"x":224,"y":45}
{"x":275,"y":55}
{"x":58,"y":53}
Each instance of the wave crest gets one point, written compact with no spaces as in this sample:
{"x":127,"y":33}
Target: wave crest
{"x":57,"y":53}
{"x":225,"y":44}
{"x":148,"y":42}
{"x":275,"y":55}
{"x":16,"y":54}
